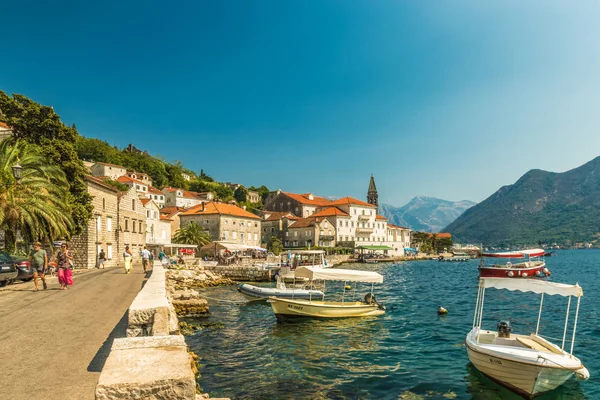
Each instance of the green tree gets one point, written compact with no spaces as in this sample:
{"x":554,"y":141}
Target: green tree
{"x":192,"y":233}
{"x":40,"y":125}
{"x":241,"y":194}
{"x":275,"y":246}
{"x":37,"y":205}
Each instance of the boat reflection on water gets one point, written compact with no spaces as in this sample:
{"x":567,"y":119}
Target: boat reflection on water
{"x":480,"y":387}
{"x":361,"y":334}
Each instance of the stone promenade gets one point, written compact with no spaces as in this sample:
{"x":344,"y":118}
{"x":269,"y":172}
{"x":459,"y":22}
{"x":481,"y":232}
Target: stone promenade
{"x":54,"y":343}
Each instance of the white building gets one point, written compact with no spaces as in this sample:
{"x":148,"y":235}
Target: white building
{"x":111,"y":171}
{"x":158,"y":229}
{"x":140,"y":187}
{"x":175,"y":197}
{"x":157,"y":196}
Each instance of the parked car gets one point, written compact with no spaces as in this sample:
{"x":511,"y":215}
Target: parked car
{"x":23,"y":267}
{"x":8,"y":269}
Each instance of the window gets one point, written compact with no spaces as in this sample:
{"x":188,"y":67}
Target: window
{"x":287,"y":234}
{"x":98,"y":223}
{"x":363,"y":212}
{"x":133,"y":204}
{"x":163,"y":234}
{"x":226,"y":222}
{"x":126,"y":225}
{"x":140,"y":226}
{"x":133,"y":226}
{"x":295,"y":233}
{"x":353,"y":224}
{"x":272,"y":230}
{"x":308,"y":233}
{"x":241,"y":237}
{"x":256,"y":236}
{"x":103,"y":203}
{"x":256,"y":224}
{"x":137,"y":187}
{"x":108,"y":224}
{"x":248,"y":224}
{"x":206,"y":221}
{"x":346,"y":224}
{"x":147,"y":213}
{"x":155,"y":214}
{"x":226,"y":235}
{"x":109,"y":251}
{"x":234,"y":235}
{"x":233,"y":222}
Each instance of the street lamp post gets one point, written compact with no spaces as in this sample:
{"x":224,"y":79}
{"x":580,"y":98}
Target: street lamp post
{"x":17,"y":171}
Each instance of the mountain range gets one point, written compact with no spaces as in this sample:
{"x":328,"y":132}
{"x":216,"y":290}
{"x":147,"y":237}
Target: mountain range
{"x":425,"y":214}
{"x":540,"y":208}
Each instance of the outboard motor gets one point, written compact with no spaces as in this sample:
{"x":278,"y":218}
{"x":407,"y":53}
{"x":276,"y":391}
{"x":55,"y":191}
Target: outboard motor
{"x":504,"y":329}
{"x":370,"y":299}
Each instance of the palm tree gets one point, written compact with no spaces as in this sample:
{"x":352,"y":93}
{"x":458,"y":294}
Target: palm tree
{"x":192,"y":233}
{"x":36,"y":205}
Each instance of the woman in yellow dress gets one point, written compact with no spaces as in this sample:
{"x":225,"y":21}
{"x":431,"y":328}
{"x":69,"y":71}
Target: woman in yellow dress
{"x":128,"y":258}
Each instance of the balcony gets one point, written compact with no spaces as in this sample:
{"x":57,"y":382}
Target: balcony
{"x":364,"y":217}
{"x":364,"y":231}
{"x":326,"y":238}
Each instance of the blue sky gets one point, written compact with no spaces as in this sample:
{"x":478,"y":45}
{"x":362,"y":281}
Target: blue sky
{"x":451,"y":99}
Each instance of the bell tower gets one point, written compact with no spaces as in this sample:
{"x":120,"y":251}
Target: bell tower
{"x":372,"y":197}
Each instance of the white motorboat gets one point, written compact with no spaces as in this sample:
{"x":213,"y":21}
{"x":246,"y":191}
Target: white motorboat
{"x":460,"y":257}
{"x":292,"y":308}
{"x":254,"y":293}
{"x":301,"y":258}
{"x":527,"y":364}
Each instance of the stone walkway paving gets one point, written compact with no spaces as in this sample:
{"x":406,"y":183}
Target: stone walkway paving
{"x":54,"y":343}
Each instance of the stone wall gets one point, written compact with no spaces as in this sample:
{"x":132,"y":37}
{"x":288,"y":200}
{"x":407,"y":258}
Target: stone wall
{"x":242,"y":273}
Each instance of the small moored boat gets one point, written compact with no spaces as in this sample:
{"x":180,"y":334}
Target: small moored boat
{"x":527,"y":364}
{"x":292,"y":308}
{"x":301,"y":258}
{"x":254,"y":293}
{"x":460,"y":257}
{"x":532,"y":266}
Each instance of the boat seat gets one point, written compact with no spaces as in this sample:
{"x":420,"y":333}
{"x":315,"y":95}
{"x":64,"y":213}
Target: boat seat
{"x":528,"y":342}
{"x":544,"y":344}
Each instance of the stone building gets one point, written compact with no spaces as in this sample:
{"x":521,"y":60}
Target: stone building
{"x":301,"y":205}
{"x":226,"y":222}
{"x":310,"y":232}
{"x":158,"y":230}
{"x":132,"y":224}
{"x":345,"y":234}
{"x":101,"y":231}
{"x":5,"y":131}
{"x":253,"y":197}
{"x":276,"y":224}
{"x":111,"y":171}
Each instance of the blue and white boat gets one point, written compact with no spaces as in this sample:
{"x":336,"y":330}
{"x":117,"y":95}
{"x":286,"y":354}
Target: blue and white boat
{"x":254,"y":293}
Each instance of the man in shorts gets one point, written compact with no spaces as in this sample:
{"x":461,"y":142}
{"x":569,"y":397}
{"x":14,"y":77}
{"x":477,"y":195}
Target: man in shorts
{"x":38,"y":260}
{"x":145,"y":259}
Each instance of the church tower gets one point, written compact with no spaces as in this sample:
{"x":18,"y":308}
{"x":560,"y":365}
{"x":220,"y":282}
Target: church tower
{"x":372,"y":197}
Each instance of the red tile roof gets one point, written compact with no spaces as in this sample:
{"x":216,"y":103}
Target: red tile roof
{"x":276,"y":216}
{"x":352,"y":201}
{"x":304,"y":223}
{"x":145,"y":201}
{"x":219,"y":208}
{"x":380,"y":217}
{"x":186,"y":193}
{"x":165,"y":218}
{"x":330,"y":212}
{"x":126,"y":179}
{"x":3,"y":125}
{"x":441,"y":235}
{"x":305,"y":199}
{"x":171,"y":210}
{"x":101,"y":183}
{"x":153,"y":190}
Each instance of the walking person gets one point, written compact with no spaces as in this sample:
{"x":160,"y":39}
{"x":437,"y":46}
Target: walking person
{"x":128,"y":258}
{"x":64,"y":262}
{"x":146,"y":259}
{"x":38,"y":260}
{"x":101,"y":259}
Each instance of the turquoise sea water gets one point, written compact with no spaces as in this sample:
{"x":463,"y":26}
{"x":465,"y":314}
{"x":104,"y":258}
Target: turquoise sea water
{"x":409,"y":353}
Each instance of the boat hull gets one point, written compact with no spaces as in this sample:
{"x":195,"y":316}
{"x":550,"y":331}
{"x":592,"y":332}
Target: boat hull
{"x":262,"y":293}
{"x":286,"y":308}
{"x":522,"y":270}
{"x":529,"y":378}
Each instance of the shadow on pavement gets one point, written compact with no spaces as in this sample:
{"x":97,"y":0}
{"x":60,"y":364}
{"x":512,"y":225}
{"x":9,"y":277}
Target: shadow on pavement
{"x":119,"y":331}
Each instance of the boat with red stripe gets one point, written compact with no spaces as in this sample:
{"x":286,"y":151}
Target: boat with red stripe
{"x":532,"y":265}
